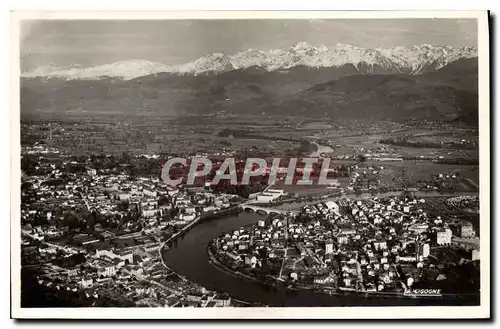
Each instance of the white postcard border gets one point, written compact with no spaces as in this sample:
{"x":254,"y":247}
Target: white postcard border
{"x":421,"y":312}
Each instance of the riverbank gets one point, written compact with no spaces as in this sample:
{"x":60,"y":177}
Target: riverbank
{"x":225,"y":265}
{"x":202,"y":217}
{"x":189,"y":257}
{"x":220,"y":213}
{"x":237,"y":274}
{"x":161,"y":249}
{"x":213,"y":215}
{"x":222,"y":267}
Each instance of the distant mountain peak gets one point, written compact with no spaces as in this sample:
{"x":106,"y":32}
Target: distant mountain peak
{"x":413,"y":60}
{"x":210,"y":63}
{"x":126,"y":70}
{"x":302,"y":46}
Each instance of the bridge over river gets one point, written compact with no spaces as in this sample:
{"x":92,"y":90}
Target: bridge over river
{"x":267,"y":210}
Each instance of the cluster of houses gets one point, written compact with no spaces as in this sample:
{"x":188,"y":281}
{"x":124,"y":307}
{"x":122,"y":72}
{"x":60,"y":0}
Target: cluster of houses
{"x":368,"y":245}
{"x":130,"y":266}
{"x":364,"y":177}
{"x":206,"y":298}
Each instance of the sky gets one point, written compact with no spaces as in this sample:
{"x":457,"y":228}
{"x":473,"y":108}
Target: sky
{"x":66,"y":43}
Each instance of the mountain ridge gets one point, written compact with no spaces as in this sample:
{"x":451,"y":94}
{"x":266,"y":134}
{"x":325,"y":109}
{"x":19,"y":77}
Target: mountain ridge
{"x":413,"y":60}
{"x":448,"y":92}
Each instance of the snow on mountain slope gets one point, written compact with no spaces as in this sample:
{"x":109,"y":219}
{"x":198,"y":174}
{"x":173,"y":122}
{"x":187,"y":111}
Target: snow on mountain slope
{"x":124,"y":69}
{"x":419,"y":57}
{"x":216,"y":62}
{"x":413,"y":60}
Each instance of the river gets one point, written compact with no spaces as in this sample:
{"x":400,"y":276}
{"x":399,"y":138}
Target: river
{"x":188,"y":256}
{"x":322,"y":149}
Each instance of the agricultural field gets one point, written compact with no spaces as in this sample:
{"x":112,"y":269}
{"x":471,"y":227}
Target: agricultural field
{"x":424,"y":170}
{"x":464,"y":203}
{"x":310,"y":190}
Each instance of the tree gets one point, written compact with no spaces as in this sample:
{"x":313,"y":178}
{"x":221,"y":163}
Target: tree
{"x":124,"y":158}
{"x":163,"y":200}
{"x":123,"y":205}
{"x":405,"y":178}
{"x":361,"y":158}
{"x":28,"y":164}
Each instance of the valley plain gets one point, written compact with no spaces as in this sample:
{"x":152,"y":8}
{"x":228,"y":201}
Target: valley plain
{"x":100,"y":225}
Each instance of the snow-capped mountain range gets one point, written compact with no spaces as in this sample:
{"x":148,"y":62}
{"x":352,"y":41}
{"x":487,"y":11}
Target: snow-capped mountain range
{"x":411,"y":60}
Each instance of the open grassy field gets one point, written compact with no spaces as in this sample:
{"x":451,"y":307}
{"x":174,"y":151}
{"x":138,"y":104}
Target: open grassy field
{"x":313,"y":190}
{"x":423,"y":170}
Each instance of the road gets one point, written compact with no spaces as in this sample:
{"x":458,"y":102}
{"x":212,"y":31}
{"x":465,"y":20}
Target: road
{"x":283,"y":263}
{"x":183,"y":230}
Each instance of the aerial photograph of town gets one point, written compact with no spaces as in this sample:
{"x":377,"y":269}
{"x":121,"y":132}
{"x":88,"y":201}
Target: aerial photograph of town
{"x":249,"y":163}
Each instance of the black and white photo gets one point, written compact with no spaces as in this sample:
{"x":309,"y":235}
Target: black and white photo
{"x":218,"y":165}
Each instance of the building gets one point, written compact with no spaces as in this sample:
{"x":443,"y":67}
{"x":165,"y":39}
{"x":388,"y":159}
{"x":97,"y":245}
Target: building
{"x":331,"y":205}
{"x":150,"y":212}
{"x":150,"y":193}
{"x":187,"y":217}
{"x":222,"y":301}
{"x":342,"y":239}
{"x":253,"y":196}
{"x":467,"y":244}
{"x":127,"y":255}
{"x":195,"y":297}
{"x":124,"y":196}
{"x":266,"y":197}
{"x":72,"y":272}
{"x":105,"y":253}
{"x":106,"y":268}
{"x":137,"y":271}
{"x":333,"y":183}
{"x":86,"y":282}
{"x":324,"y":279}
{"x":405,"y":259}
{"x":276,"y":191}
{"x":269,"y":195}
{"x":234,"y":257}
{"x":380,"y":245}
{"x":343,"y":205}
{"x":347,"y":231}
{"x":444,"y":237}
{"x":418,"y":228}
{"x":251,"y":260}
{"x":463,"y":229}
{"x":425,"y":250}
{"x":329,"y":247}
